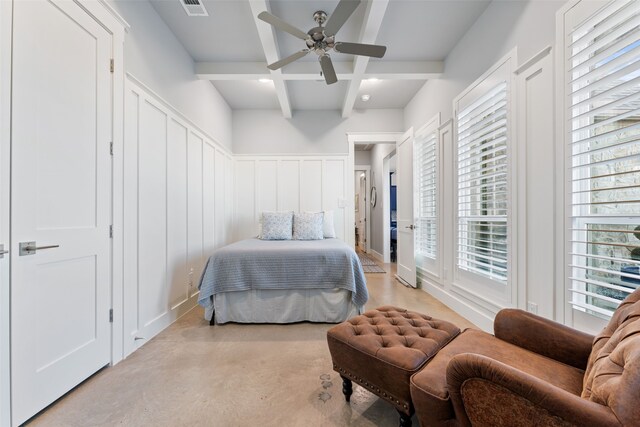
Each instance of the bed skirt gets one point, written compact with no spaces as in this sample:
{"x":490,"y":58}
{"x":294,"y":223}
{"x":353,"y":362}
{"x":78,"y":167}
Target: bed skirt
{"x":283,"y":306}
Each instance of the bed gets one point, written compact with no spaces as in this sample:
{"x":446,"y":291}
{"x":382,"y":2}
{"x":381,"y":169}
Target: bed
{"x":283,"y":281}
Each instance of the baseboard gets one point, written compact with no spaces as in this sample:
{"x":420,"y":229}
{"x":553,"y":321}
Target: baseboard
{"x":163,"y":322}
{"x":471,"y":313}
{"x":376,"y":255}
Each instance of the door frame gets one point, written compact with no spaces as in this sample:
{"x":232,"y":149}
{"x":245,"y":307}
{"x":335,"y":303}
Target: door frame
{"x":409,"y":138}
{"x":367,"y":206}
{"x":352,"y":139}
{"x":117,"y":27}
{"x":6,"y":32}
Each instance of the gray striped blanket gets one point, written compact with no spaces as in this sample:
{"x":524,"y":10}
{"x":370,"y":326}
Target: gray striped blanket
{"x":283,"y":264}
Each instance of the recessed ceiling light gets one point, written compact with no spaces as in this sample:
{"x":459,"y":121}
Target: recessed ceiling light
{"x":373,"y":80}
{"x":264,"y":80}
{"x":365,"y":97}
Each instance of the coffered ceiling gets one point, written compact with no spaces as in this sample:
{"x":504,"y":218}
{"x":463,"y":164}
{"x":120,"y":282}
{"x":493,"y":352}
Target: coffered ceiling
{"x":232,"y":48}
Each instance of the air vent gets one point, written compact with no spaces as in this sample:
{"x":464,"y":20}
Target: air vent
{"x":194,"y":7}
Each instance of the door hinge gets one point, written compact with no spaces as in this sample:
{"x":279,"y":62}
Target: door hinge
{"x":111,"y":148}
{"x":111,"y":65}
{"x":111,"y":231}
{"x":111,"y":315}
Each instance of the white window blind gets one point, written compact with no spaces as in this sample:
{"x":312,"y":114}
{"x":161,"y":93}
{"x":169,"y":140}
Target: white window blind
{"x":603,"y":75}
{"x":426,"y":166}
{"x":482,"y":185}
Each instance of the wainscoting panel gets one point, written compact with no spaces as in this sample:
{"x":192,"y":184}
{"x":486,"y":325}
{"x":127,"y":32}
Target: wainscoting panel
{"x":152,"y":202}
{"x":289,"y":185}
{"x":176,"y":209}
{"x":245,"y":221}
{"x":296,"y":183}
{"x":194,"y":208}
{"x":311,"y":183}
{"x":267,"y":181}
{"x":333,"y":194}
{"x":220,"y":231}
{"x":208,"y":203}
{"x":177,"y":214}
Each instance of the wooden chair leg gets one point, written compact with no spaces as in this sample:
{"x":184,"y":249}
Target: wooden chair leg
{"x":347,"y":388}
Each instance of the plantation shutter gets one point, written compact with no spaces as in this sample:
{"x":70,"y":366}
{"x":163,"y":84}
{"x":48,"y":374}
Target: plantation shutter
{"x":482,"y":176}
{"x":603,"y":75}
{"x":426,"y":153}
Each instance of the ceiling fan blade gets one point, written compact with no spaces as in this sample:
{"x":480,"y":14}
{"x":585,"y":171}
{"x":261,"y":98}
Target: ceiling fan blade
{"x":343,"y":11}
{"x":374,"y":50}
{"x":328,"y":70}
{"x":281,"y":25}
{"x":288,"y":60}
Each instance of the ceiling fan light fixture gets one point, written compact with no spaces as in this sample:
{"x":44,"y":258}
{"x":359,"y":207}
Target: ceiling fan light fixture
{"x":264,"y":80}
{"x":321,"y":39}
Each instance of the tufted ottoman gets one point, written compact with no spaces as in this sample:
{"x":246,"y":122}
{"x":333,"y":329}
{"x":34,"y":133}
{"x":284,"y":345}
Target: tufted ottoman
{"x":382,"y":348}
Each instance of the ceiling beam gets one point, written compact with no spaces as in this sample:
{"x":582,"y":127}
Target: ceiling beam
{"x":303,"y":70}
{"x":368,"y":34}
{"x":271,"y":53}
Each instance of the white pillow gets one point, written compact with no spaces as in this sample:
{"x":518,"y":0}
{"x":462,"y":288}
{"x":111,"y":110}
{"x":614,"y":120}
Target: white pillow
{"x":328,"y":227}
{"x":276,"y":225}
{"x":308,"y":226}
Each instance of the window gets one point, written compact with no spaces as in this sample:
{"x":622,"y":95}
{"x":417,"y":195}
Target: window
{"x":482,"y":177}
{"x":426,"y":155}
{"x":603,"y":76}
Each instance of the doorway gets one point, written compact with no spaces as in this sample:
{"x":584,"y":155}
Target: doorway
{"x":362,"y":207}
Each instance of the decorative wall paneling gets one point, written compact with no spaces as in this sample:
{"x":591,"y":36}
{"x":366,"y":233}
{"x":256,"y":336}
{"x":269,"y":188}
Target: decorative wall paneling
{"x":296,"y":183}
{"x":536,"y":185}
{"x":534,"y":191}
{"x":177,"y":209}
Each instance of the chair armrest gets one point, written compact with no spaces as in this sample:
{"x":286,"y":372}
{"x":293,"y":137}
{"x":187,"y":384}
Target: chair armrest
{"x":543,"y":336}
{"x":487,"y":392}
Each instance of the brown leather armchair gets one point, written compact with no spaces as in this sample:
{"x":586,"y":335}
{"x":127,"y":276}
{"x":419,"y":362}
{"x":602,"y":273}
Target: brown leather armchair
{"x":535,"y":372}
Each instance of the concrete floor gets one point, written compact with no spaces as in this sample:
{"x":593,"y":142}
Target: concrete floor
{"x":193,"y":374}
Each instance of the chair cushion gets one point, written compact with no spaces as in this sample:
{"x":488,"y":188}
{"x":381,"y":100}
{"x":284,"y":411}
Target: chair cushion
{"x":429,"y":386}
{"x":382,"y":348}
{"x":612,"y":377}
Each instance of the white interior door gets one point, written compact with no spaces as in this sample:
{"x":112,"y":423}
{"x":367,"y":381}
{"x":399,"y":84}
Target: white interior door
{"x":405,"y":214}
{"x":61,"y":186}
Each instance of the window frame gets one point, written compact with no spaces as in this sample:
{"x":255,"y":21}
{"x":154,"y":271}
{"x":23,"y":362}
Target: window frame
{"x":571,"y":16}
{"x":431,"y":266}
{"x":492,"y":294}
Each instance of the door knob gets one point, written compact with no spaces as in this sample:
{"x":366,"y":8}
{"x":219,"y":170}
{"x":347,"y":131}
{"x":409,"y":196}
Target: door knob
{"x":410,"y":227}
{"x":3,"y":251}
{"x":30,"y":248}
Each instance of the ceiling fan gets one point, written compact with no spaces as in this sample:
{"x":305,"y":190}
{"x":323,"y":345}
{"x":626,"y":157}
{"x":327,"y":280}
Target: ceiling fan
{"x":321,"y":39}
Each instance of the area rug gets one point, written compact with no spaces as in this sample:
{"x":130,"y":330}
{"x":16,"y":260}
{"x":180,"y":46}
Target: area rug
{"x":368,"y":264}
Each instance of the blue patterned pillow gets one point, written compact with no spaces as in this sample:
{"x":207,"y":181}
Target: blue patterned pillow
{"x":308,"y":226}
{"x":276,"y":225}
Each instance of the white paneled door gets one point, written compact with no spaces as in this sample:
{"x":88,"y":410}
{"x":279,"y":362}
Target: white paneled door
{"x":61,"y":202}
{"x":406,"y":256}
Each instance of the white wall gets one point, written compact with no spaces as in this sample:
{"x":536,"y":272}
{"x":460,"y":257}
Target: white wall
{"x":175,"y":213}
{"x":363,"y":158}
{"x":296,"y":183}
{"x":378,"y":153}
{"x":155,"y":57}
{"x":308,"y":132}
{"x":529,"y":26}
